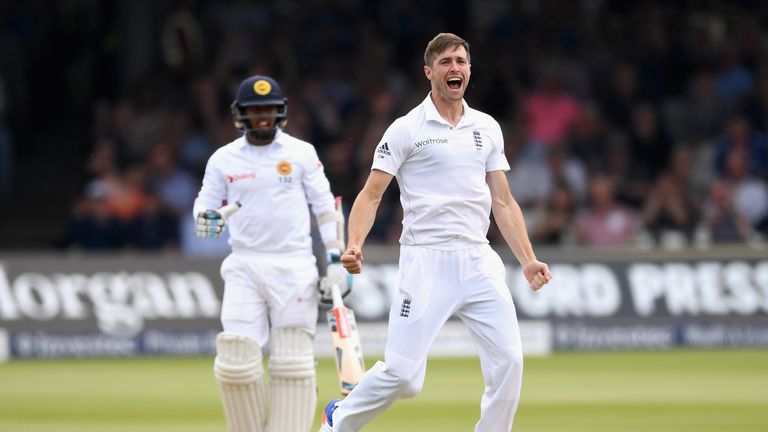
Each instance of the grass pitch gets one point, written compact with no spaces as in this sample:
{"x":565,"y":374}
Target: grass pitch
{"x":696,"y":391}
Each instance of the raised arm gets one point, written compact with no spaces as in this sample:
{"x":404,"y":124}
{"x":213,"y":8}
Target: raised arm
{"x":509,"y":219}
{"x":361,"y":218}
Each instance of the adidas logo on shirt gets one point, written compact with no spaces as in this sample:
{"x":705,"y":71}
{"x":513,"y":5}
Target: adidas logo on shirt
{"x":383,"y":150}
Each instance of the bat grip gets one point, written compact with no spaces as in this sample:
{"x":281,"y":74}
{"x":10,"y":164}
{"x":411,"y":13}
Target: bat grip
{"x":228,"y":209}
{"x":336,"y":296}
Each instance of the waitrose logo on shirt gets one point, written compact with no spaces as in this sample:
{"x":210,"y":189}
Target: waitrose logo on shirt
{"x":430,"y":141}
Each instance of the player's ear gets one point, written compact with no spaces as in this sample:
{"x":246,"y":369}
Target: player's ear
{"x":428,"y":72}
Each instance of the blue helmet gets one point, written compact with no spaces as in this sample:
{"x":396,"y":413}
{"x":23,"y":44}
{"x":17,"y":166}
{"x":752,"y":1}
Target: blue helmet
{"x":259,"y":90}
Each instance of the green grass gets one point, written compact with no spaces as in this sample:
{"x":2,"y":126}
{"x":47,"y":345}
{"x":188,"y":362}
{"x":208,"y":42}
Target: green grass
{"x":695,"y":391}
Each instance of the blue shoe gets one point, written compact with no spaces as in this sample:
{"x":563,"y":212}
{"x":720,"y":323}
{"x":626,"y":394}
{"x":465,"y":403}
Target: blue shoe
{"x":327,"y":424}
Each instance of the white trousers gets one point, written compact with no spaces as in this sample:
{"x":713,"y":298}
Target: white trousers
{"x":432,"y":286}
{"x":264,"y":291}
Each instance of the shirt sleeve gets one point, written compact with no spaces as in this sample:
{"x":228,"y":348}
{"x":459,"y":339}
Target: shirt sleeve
{"x":213,"y":191}
{"x":392,"y":150}
{"x":316,"y":185}
{"x":497,"y":160}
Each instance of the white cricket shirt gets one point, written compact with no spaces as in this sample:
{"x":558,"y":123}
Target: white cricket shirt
{"x":441,"y":172}
{"x":275,"y":184}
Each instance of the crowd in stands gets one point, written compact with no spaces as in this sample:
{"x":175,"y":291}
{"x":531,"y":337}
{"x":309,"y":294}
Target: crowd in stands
{"x":625,"y":123}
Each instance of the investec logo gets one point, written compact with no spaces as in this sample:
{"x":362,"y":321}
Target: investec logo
{"x":430,"y":141}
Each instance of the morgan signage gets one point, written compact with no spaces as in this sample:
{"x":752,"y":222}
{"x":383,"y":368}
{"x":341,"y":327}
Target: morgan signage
{"x":117,"y":303}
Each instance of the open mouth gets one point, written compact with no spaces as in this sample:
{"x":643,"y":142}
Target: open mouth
{"x":454,"y":83}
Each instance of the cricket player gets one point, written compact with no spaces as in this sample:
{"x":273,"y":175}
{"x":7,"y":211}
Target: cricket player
{"x":270,"y":278}
{"x":449,"y":163}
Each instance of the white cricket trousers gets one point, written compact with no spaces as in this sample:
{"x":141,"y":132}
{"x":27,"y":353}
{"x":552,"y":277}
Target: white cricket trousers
{"x":432,"y":286}
{"x":262,"y":291}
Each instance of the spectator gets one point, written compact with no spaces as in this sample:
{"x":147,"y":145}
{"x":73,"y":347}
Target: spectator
{"x":694,"y":176}
{"x":550,"y":109}
{"x":173,"y":185}
{"x":622,"y":95}
{"x":125,"y":193}
{"x":93,"y":227}
{"x":756,"y":105}
{"x":154,"y":228}
{"x":528,"y":175}
{"x":634,"y":161}
{"x":630,"y":184}
{"x":529,"y":178}
{"x":721,"y":222}
{"x":750,"y":194}
{"x":555,"y":223}
{"x":649,"y":145}
{"x":733,"y":80}
{"x":740,"y":135}
{"x":704,"y":111}
{"x":589,"y":140}
{"x":605,"y":222}
{"x":669,"y":213}
{"x":567,"y":170}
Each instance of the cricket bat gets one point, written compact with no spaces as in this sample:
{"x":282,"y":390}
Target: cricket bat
{"x":227,"y":210}
{"x":346,"y":341}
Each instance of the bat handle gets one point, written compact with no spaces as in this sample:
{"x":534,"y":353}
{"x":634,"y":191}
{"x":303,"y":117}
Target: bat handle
{"x":228,"y":209}
{"x":336,"y":295}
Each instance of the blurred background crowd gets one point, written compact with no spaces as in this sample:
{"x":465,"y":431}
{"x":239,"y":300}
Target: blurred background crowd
{"x":626,"y":123}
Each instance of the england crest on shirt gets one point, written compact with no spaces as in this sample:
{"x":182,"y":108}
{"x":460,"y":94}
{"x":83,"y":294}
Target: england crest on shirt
{"x":478,"y":140}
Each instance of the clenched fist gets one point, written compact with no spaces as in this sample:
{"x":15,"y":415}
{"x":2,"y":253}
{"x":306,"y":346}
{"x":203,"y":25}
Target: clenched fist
{"x":334,"y":275}
{"x":537,"y":274}
{"x":352,"y":260}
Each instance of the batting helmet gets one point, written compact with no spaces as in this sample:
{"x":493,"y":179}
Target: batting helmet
{"x":259,"y":90}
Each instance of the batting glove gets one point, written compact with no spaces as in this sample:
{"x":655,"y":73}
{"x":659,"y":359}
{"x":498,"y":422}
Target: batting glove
{"x":334,"y":275}
{"x":210,"y":224}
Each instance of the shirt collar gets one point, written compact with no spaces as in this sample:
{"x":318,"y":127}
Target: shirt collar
{"x":430,"y":110}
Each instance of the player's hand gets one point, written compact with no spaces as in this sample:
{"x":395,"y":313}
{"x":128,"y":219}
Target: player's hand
{"x":537,"y":274}
{"x":352,"y":260}
{"x":210,"y":224}
{"x":334,"y":275}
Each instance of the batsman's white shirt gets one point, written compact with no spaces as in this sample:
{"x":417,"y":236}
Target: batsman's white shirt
{"x":274,"y":184}
{"x":270,"y":278}
{"x":441,"y":173}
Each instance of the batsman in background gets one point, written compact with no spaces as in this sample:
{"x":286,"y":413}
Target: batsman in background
{"x":270,"y":278}
{"x":449,"y":163}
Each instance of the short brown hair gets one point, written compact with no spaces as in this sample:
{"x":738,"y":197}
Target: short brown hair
{"x":440,"y":43}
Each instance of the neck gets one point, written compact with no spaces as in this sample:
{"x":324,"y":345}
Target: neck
{"x":257,"y":143}
{"x":451,"y":111}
